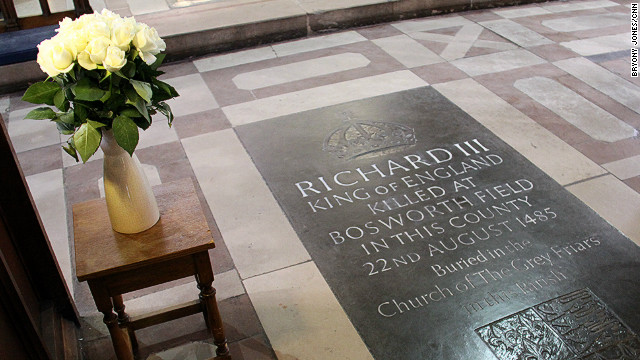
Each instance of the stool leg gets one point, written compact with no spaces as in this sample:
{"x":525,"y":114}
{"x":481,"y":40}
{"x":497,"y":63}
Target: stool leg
{"x":118,"y":338}
{"x":204,"y":278}
{"x":123,"y":320}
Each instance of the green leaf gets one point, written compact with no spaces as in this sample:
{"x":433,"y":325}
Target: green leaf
{"x":135,"y":100}
{"x":60,"y":101}
{"x":143,"y":89}
{"x":67,"y":118}
{"x":158,"y":62}
{"x":170,"y":90}
{"x":126,"y":133}
{"x":96,"y":124}
{"x":129,"y":112}
{"x":87,"y":90}
{"x":81,"y":113}
{"x":41,"y":113}
{"x":106,"y":96}
{"x":129,"y":69}
{"x":165,"y":109}
{"x":86,"y":140}
{"x":71,"y":151}
{"x":142,"y":123}
{"x":64,"y":128}
{"x":41,"y":93}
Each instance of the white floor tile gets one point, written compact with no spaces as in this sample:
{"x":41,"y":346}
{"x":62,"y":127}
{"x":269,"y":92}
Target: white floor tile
{"x":190,"y":351}
{"x":578,"y":23}
{"x":497,"y":62}
{"x":194,"y":97}
{"x":234,"y":59}
{"x":604,"y":81}
{"x":545,"y":150}
{"x":29,"y":134}
{"x":625,"y":168}
{"x":614,"y":201}
{"x":300,"y":70}
{"x":516,"y":33}
{"x":580,"y":112}
{"x":158,"y":133}
{"x":255,"y":230}
{"x":327,"y":95}
{"x":47,"y":190}
{"x":407,"y":51}
{"x":317,"y":43}
{"x":302,"y":317}
{"x":599,"y":45}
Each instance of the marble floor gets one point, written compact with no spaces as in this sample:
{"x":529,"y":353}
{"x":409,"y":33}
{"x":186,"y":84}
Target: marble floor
{"x":551,"y":79}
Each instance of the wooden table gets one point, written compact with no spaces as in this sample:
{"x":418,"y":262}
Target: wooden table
{"x":176,"y":247}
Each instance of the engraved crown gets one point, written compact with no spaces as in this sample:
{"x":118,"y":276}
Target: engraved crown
{"x":358,"y":138}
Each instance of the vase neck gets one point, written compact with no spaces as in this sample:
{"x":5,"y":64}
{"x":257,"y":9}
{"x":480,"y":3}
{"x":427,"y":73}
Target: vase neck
{"x":109,"y":145}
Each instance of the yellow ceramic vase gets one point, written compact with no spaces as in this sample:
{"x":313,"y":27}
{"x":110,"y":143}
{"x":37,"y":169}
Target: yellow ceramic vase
{"x":130,"y":200}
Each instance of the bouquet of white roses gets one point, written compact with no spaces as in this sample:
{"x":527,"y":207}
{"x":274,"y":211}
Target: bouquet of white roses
{"x":103,"y":73}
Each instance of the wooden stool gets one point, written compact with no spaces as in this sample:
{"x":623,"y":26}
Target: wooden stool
{"x":176,"y":247}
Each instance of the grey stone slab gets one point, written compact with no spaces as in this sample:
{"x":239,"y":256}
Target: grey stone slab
{"x":426,"y":226}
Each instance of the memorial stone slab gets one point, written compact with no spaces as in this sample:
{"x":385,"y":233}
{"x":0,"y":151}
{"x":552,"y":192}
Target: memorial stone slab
{"x":442,"y":242}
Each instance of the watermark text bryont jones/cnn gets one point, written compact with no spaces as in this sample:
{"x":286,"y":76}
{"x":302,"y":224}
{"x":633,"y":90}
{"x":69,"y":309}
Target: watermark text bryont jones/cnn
{"x":634,"y":39}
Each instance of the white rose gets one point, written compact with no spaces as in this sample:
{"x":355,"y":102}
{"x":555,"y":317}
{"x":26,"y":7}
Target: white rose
{"x":109,"y":16}
{"x":83,"y":21}
{"x":97,"y":49}
{"x":148,"y":43}
{"x":66,"y":25}
{"x":123,"y":31}
{"x":74,"y":39}
{"x":115,"y":59}
{"x":97,"y":28}
{"x":84,"y":59}
{"x":54,"y":57}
